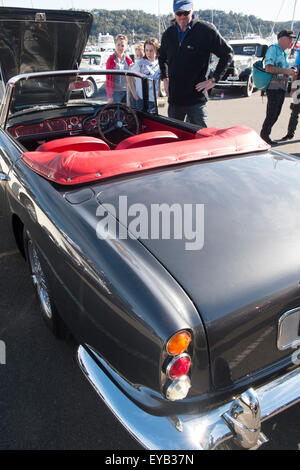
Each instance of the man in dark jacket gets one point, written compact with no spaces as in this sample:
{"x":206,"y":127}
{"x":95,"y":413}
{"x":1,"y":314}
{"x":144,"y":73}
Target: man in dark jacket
{"x":184,"y":57}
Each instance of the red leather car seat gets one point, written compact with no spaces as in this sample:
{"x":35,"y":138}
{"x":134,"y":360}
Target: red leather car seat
{"x":147,"y":139}
{"x":76,"y":143}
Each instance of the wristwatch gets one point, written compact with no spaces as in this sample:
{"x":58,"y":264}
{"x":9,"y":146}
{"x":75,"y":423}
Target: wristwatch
{"x":213,"y":80}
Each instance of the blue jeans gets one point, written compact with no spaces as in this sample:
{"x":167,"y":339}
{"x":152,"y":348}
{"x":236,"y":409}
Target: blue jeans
{"x":195,"y":113}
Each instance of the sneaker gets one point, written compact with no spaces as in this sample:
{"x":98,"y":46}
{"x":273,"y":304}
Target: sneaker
{"x":267,"y":139}
{"x":287,"y":137}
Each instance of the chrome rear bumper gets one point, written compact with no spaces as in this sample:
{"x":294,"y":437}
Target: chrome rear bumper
{"x":239,"y":419}
{"x":229,"y":84}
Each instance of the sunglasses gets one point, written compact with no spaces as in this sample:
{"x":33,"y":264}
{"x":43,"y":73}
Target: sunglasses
{"x":182,"y":13}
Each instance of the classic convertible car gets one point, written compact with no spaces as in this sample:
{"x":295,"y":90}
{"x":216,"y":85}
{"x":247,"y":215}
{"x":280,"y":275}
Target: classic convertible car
{"x":172,"y":254}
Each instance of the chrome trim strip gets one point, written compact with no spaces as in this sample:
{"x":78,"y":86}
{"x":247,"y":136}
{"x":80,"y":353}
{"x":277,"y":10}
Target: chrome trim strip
{"x":204,"y":431}
{"x":279,"y":395}
{"x":6,"y":101}
{"x":231,"y":83}
{"x":285,"y":155}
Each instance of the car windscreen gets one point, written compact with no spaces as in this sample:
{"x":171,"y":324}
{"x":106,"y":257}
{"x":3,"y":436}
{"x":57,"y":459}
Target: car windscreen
{"x":248,"y":49}
{"x":62,"y":89}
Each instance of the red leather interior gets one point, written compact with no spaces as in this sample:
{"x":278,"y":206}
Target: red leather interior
{"x":78,"y":143}
{"x":149,"y":125}
{"x":73,"y":167}
{"x":146,"y":139}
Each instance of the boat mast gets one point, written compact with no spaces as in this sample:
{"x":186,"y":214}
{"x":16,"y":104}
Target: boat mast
{"x":274,"y":24}
{"x":293,"y":20}
{"x":159,"y":19}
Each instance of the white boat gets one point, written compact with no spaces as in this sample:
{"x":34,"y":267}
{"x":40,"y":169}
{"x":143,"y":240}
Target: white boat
{"x":106,"y":42}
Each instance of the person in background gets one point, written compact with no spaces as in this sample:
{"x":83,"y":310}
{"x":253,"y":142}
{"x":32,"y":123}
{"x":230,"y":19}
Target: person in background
{"x":148,"y":66}
{"x":184,"y":57}
{"x":116,"y":85}
{"x":276,"y":63}
{"x":138,"y":51}
{"x":295,"y":106}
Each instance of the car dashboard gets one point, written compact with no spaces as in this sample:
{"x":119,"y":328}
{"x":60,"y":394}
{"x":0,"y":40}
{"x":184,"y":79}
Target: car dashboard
{"x":32,"y":127}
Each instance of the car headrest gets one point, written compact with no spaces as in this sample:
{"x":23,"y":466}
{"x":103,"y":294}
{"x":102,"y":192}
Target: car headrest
{"x":147,"y":139}
{"x":76,"y":143}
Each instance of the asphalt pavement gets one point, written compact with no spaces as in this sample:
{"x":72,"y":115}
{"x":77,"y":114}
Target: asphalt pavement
{"x":45,"y":401}
{"x":234,"y":109}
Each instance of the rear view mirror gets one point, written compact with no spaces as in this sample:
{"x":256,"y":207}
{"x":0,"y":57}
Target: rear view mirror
{"x":79,"y":85}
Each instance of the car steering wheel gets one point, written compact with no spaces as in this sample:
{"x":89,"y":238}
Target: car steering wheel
{"x":115,"y":122}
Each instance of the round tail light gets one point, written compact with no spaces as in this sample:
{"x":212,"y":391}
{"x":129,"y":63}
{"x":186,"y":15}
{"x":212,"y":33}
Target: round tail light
{"x":179,"y":367}
{"x":178,"y":389}
{"x":179,"y":343}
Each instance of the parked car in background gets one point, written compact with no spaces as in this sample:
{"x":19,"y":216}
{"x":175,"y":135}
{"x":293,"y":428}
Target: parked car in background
{"x":172,"y":254}
{"x":239,"y":73}
{"x":94,"y":61}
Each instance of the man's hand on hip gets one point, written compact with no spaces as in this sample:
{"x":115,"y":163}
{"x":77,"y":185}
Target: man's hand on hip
{"x":205,"y":86}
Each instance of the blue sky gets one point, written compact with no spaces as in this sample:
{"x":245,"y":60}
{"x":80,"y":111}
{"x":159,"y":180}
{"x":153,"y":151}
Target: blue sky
{"x":274,"y":10}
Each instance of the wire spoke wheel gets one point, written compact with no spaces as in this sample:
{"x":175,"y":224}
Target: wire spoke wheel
{"x":90,"y":92}
{"x":248,"y":90}
{"x":42,"y":289}
{"x":39,"y":280}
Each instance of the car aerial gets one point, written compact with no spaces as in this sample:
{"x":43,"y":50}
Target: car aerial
{"x":94,"y":61}
{"x":239,"y":73}
{"x":170,"y":253}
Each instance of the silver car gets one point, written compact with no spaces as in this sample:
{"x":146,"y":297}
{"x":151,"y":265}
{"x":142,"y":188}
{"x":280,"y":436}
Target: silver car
{"x":94,"y":61}
{"x":239,"y":73}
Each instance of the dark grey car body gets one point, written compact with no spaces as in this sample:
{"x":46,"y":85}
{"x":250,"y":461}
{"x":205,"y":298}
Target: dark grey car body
{"x":124,"y":299}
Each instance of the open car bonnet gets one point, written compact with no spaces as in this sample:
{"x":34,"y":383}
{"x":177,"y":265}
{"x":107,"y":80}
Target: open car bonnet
{"x":34,"y":40}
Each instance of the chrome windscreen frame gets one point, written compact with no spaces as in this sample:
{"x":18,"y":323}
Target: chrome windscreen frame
{"x":2,"y":87}
{"x":10,"y":86}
